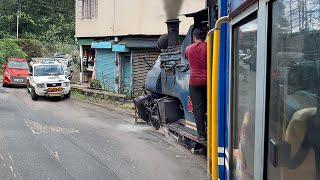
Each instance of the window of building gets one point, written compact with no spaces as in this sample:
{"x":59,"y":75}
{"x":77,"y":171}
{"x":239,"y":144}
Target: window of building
{"x":89,"y":9}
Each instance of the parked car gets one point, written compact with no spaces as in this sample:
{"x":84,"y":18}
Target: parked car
{"x":48,"y":79}
{"x":16,"y":72}
{"x":66,"y":61}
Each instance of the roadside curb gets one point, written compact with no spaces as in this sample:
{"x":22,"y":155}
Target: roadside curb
{"x":108,"y":107}
{"x":101,"y":94}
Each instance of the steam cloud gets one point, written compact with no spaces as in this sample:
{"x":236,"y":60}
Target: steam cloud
{"x":172,"y":8}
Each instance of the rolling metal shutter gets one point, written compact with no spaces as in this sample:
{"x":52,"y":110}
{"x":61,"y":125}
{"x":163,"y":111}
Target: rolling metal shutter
{"x":105,"y":69}
{"x":141,"y":68}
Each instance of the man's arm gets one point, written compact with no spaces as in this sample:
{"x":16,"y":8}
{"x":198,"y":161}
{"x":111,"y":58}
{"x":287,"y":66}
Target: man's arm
{"x":186,"y":53}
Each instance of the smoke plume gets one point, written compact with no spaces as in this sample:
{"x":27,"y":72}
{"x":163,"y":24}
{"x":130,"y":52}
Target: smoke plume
{"x":172,"y":8}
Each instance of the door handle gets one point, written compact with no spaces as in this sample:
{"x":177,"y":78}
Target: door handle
{"x":279,"y":153}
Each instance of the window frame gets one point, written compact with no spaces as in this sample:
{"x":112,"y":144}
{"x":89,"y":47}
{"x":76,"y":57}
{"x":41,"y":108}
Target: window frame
{"x":261,"y":7}
{"x":268,"y":5}
{"x":245,"y":17}
{"x":88,"y":9}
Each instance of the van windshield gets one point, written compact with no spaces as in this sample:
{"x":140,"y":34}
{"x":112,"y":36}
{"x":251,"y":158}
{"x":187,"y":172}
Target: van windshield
{"x":48,"y":70}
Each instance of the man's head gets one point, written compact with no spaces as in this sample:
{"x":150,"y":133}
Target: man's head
{"x":198,"y":35}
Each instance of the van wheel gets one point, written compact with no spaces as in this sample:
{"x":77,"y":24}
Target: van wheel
{"x":28,"y":88}
{"x":67,"y":96}
{"x":34,"y":96}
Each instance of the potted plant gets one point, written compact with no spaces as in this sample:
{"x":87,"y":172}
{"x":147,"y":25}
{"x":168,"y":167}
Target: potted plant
{"x":95,"y":84}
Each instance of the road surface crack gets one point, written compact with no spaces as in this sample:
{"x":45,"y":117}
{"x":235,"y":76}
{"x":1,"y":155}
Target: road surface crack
{"x":38,"y":128}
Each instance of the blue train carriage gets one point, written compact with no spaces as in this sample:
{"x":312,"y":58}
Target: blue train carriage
{"x":272,"y":91}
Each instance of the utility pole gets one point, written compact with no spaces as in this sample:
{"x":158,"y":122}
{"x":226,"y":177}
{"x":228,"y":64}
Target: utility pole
{"x":290,"y":5}
{"x":18,"y":18}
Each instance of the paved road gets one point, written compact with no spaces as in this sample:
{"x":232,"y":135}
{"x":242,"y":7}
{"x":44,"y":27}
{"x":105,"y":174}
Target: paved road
{"x":68,"y":139}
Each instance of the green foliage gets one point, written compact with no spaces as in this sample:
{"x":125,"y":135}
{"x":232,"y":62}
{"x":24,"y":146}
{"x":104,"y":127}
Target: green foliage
{"x":62,"y":48}
{"x":10,"y":48}
{"x":32,"y":47}
{"x":94,"y":83}
{"x":21,"y":48}
{"x":49,"y":21}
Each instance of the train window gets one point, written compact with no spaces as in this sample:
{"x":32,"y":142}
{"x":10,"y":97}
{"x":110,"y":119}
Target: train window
{"x":294,"y":122}
{"x":244,"y":86}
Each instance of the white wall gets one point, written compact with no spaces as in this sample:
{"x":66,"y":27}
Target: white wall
{"x":132,"y":17}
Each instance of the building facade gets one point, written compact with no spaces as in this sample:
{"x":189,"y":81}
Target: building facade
{"x":117,"y":39}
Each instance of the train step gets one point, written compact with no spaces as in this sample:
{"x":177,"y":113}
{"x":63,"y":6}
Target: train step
{"x":185,"y":132}
{"x":155,"y":117}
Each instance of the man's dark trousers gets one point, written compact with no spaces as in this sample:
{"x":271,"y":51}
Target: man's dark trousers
{"x":198,"y":96}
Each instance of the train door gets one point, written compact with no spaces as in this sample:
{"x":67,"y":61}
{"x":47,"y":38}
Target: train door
{"x":247,"y":89}
{"x":243,"y":81}
{"x":274,"y":90}
{"x":293,"y":118}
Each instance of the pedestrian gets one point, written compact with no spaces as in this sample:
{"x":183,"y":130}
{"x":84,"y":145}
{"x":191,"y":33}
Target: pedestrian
{"x":196,"y":54}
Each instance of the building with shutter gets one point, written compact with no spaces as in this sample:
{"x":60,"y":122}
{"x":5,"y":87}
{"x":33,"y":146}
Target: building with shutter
{"x":117,"y":40}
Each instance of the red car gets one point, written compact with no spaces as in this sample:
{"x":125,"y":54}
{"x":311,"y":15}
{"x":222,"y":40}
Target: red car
{"x":16,"y":72}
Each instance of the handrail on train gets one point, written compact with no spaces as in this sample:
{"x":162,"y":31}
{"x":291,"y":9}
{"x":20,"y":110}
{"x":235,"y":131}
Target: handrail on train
{"x":213,"y":47}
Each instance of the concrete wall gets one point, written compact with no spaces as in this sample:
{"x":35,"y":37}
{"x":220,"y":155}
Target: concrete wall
{"x":132,"y":17}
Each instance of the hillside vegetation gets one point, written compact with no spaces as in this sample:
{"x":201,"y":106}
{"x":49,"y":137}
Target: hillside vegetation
{"x":49,"y":21}
{"x":46,"y":27}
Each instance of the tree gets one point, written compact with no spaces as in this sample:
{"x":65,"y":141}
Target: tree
{"x":48,"y":21}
